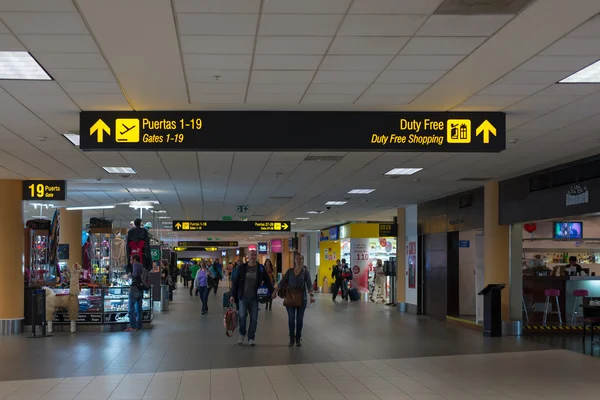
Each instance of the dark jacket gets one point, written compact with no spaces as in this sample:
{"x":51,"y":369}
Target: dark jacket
{"x":135,"y":235}
{"x":336,"y":273}
{"x":262,"y":278}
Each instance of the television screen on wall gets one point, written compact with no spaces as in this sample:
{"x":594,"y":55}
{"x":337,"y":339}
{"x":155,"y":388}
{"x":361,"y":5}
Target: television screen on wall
{"x":568,"y":230}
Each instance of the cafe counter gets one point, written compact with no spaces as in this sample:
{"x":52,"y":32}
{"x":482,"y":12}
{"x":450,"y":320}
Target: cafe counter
{"x":535,"y":299}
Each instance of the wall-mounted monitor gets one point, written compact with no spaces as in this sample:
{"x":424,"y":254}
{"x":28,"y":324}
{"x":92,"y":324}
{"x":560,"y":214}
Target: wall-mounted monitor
{"x":568,"y":230}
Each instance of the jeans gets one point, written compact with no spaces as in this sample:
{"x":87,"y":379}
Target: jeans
{"x":336,"y":288}
{"x":217,"y":280}
{"x":248,"y":306}
{"x":296,"y":319}
{"x":191,"y":286}
{"x":135,"y":307}
{"x":204,"y":290}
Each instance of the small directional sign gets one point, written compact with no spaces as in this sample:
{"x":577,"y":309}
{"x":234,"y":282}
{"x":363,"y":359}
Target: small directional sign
{"x":242,"y":209}
{"x":99,"y":128}
{"x":233,"y":226}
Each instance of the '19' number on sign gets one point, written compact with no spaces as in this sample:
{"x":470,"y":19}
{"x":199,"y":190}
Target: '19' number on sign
{"x":37,"y":189}
{"x":362,"y":257}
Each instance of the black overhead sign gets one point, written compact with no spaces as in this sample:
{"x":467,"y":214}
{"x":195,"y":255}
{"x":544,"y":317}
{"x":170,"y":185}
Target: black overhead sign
{"x":209,"y":243}
{"x":388,"y":230}
{"x":195,"y":248}
{"x":233,"y":226}
{"x":292,"y":131}
{"x":45,"y":190}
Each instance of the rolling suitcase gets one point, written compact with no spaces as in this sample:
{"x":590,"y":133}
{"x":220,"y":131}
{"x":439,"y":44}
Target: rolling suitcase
{"x":353,"y":295}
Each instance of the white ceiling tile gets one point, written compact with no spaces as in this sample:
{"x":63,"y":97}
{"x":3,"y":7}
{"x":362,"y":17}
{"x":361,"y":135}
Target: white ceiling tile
{"x":217,"y":24}
{"x":332,"y":88}
{"x":59,"y":43}
{"x":220,"y":6}
{"x":490,"y":103}
{"x":274,"y":98}
{"x":306,"y":6}
{"x":574,"y":46}
{"x":10,"y":43}
{"x":589,"y":29}
{"x":580,"y":89}
{"x":532,"y":77}
{"x":217,"y":88}
{"x":277,"y":88}
{"x":217,"y":61}
{"x":394,"y":6}
{"x":82,"y":75}
{"x":355,"y":63}
{"x":367,"y":45}
{"x":207,"y":75}
{"x":100,"y":102}
{"x":291,"y":62}
{"x":397,"y":89}
{"x":345,"y":76}
{"x":38,"y":5}
{"x":216,"y":44}
{"x":442,"y":45}
{"x":299,"y":24}
{"x":424,"y":62}
{"x":386,"y":99}
{"x":511,"y":90}
{"x":217,"y":98}
{"x":71,"y":60}
{"x":409,"y":76}
{"x":44,"y":23}
{"x":91,"y":87}
{"x":329,"y":98}
{"x":292,"y":45}
{"x":463,"y":25}
{"x":381,"y":25}
{"x":557,"y":63}
{"x":282,"y":76}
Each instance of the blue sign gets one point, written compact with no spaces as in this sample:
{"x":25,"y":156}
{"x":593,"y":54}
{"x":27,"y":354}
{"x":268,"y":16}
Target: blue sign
{"x":330,"y":233}
{"x":464,"y":243}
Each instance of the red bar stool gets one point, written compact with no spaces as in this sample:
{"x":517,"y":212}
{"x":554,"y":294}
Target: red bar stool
{"x":552,"y":293}
{"x":577,"y":293}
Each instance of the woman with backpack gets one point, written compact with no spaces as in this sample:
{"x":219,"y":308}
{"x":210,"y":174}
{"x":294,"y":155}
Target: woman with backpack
{"x":296,"y":283}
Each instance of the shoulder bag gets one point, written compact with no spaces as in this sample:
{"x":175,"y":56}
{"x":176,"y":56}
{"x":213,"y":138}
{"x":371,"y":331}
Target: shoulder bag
{"x":294,"y":295}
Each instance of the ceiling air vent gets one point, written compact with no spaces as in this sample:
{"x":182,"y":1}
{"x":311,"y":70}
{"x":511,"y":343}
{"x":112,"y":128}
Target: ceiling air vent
{"x":481,"y":7}
{"x":473,"y":179}
{"x":280,"y":198}
{"x":324,"y":158}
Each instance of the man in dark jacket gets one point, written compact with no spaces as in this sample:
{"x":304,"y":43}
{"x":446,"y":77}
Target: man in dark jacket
{"x":244,"y":289}
{"x":336,"y":275}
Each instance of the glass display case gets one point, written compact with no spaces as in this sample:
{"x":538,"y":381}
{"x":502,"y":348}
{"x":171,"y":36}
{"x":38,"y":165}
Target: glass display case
{"x":100,"y":257}
{"x":104,"y":305}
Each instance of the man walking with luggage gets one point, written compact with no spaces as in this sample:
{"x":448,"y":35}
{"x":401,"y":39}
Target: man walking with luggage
{"x":244,"y":289}
{"x":336,"y":275}
{"x":346,"y":278}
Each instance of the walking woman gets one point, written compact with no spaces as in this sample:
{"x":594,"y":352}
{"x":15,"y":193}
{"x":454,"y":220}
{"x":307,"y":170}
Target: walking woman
{"x":201,"y":283}
{"x":271,"y":273}
{"x":297,"y":282}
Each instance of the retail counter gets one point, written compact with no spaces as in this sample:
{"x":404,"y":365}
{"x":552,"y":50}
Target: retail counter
{"x":533,"y":293}
{"x":103,"y":309}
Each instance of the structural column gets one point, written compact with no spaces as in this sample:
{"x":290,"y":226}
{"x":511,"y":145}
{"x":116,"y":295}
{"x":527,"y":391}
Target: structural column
{"x":496,"y":240}
{"x":11,"y":257}
{"x":401,"y":267}
{"x":71,"y":224}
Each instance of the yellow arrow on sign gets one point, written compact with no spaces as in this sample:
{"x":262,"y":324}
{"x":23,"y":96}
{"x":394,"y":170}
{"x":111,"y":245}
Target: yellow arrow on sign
{"x":284,"y":226}
{"x":486,"y":128}
{"x":100,"y":127}
{"x":178,"y":225}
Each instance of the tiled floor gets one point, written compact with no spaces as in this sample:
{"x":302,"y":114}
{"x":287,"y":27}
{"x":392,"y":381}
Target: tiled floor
{"x":351,"y":351}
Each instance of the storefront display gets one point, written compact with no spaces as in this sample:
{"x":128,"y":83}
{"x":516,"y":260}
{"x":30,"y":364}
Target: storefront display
{"x":40,"y":265}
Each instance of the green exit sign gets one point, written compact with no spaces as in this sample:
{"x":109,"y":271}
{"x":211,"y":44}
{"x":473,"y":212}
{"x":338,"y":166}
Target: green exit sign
{"x":227,"y":218}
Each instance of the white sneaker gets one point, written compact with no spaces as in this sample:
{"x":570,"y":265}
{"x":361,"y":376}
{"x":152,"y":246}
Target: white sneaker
{"x":241,"y":340}
{"x":251,"y":342}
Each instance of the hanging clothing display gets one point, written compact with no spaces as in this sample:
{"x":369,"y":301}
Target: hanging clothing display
{"x":118,"y":252}
{"x":138,"y":242}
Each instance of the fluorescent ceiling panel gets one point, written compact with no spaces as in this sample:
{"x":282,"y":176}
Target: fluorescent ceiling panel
{"x":335,"y":203}
{"x":403,"y":171}
{"x":361,"y":191}
{"x":119,"y":170}
{"x":20,"y":65}
{"x":589,"y":74}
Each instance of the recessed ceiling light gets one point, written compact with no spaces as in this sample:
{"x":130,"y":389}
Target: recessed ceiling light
{"x":335,"y":203}
{"x":164,"y":217}
{"x":302,"y":218}
{"x":20,"y":65}
{"x":90,"y":208}
{"x":119,"y":170}
{"x":403,"y":171}
{"x":139,"y":190}
{"x":160,"y":211}
{"x":589,"y":74}
{"x":361,"y":191}
{"x":72,"y":137}
{"x":315,"y":212}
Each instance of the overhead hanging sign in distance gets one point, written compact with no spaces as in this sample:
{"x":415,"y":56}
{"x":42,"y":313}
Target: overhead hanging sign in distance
{"x":45,"y":190}
{"x":311,"y":131}
{"x":195,"y":248}
{"x":232,"y":226}
{"x":208,"y":243}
